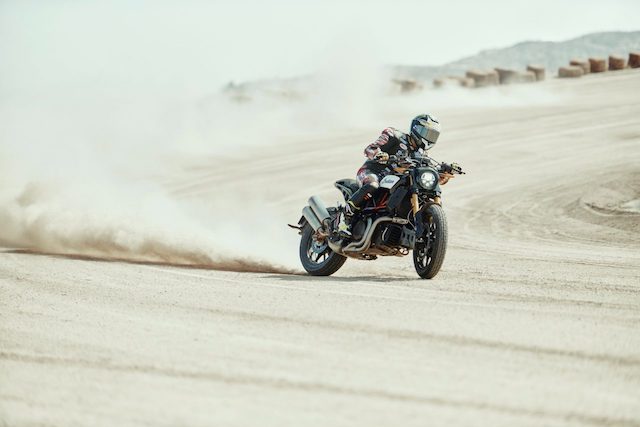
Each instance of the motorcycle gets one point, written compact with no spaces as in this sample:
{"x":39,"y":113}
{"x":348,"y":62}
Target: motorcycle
{"x":405,"y":214}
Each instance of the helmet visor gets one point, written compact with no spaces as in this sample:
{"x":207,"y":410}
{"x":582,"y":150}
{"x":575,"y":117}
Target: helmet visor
{"x":430,"y":134}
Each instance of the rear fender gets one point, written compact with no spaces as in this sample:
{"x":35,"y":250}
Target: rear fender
{"x":301,"y":223}
{"x":347,"y":187}
{"x":346,"y":191}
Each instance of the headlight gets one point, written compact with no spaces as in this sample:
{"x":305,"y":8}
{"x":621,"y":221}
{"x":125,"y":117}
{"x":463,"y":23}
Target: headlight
{"x":428,"y":180}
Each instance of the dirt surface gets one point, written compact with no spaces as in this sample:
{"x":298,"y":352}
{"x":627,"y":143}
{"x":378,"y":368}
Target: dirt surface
{"x":534,"y":319}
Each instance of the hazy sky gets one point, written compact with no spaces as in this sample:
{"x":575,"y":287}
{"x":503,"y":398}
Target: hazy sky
{"x":197,"y":45}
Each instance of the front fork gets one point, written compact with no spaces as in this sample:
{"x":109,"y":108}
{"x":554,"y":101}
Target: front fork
{"x":415,"y":203}
{"x":417,"y":211}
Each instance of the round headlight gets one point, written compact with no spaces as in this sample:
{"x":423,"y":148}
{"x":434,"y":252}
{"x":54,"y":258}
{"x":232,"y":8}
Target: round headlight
{"x":428,"y":180}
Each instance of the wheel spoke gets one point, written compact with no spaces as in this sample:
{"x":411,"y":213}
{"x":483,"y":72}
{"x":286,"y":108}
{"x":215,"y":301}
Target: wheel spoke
{"x":317,"y":253}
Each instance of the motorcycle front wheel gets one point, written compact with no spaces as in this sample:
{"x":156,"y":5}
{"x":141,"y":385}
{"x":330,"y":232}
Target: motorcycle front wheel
{"x":429,"y":251}
{"x":317,"y":257}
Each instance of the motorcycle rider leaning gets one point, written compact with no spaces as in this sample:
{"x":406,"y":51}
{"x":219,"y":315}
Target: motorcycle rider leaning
{"x":423,"y":134}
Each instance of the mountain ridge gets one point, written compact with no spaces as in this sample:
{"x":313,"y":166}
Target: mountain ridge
{"x":550,"y":54}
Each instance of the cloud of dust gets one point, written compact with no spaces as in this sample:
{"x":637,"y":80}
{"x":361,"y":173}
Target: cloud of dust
{"x":89,"y":172}
{"x":85,"y":175}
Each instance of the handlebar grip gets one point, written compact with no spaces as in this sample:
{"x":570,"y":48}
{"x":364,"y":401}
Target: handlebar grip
{"x":452,"y":168}
{"x":457,"y":168}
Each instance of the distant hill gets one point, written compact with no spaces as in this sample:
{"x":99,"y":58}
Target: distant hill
{"x":550,"y":54}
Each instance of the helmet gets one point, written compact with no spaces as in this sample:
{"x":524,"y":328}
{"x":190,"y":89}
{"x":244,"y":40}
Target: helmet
{"x":425,"y":130}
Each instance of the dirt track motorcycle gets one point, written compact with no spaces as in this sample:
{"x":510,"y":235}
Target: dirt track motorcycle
{"x":405,"y":214}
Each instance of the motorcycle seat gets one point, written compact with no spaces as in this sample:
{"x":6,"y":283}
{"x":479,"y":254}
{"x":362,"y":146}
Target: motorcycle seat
{"x":347,"y":186}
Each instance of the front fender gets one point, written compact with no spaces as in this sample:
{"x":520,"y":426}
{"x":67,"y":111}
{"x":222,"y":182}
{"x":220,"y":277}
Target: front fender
{"x":420,"y":218}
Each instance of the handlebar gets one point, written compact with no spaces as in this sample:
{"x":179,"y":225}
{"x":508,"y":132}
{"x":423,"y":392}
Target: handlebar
{"x":452,"y":168}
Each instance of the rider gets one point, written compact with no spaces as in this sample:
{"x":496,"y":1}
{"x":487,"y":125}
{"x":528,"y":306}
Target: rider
{"x":422,"y":135}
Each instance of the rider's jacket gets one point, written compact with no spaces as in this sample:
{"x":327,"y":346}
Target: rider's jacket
{"x":391,"y":141}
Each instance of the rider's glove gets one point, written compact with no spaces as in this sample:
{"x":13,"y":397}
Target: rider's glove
{"x":450,"y":168}
{"x":381,"y":157}
{"x":405,"y":162}
{"x":446,"y":168}
{"x":456,"y":168}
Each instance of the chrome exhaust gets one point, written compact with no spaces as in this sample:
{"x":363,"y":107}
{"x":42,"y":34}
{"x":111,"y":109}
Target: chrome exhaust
{"x":311,"y":218}
{"x":318,"y":208}
{"x":363,"y":244}
{"x":317,"y":214}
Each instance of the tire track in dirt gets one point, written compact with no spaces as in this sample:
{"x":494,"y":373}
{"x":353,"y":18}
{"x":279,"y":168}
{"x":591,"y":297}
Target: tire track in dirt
{"x":315,"y":387}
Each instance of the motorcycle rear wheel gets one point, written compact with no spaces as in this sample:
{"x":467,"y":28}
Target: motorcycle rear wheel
{"x":317,"y":258}
{"x":428,"y":255}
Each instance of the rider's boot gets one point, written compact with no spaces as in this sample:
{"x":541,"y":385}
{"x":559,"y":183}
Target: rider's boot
{"x":346,"y":217}
{"x":353,"y":205}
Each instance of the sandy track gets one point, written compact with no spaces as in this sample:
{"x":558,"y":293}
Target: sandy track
{"x":534,"y":319}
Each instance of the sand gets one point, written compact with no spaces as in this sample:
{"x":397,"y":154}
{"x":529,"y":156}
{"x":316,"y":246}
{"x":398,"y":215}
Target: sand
{"x":533,"y":320}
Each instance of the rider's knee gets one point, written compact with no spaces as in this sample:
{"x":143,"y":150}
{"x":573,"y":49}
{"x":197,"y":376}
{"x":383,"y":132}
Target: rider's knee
{"x":365,"y":178}
{"x":374,"y":185}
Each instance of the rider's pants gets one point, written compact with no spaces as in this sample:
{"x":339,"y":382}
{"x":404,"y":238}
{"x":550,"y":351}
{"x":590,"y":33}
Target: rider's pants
{"x":369,"y":181}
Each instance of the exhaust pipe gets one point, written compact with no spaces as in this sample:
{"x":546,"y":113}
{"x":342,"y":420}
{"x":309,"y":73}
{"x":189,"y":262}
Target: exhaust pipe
{"x":311,"y":218}
{"x":318,"y":208}
{"x":364,"y":243}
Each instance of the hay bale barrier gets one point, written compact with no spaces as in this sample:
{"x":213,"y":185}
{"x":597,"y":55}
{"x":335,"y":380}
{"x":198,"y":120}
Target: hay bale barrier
{"x":407,"y":85}
{"x":480,"y":78}
{"x":453,"y":81}
{"x":494,"y":78}
{"x":583,"y":63}
{"x":527,"y":77}
{"x":570,"y":71}
{"x":598,"y":65}
{"x":466,"y":82}
{"x":463,"y":81}
{"x":538,"y":70}
{"x":617,"y":62}
{"x":439,"y":82}
{"x":506,"y":76}
{"x":445,"y":81}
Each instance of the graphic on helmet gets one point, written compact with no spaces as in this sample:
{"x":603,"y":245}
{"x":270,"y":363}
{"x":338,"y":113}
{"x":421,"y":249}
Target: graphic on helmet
{"x":425,"y":130}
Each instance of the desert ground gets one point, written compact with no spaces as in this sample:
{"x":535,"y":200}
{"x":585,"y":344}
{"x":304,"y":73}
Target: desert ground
{"x":534,"y":319}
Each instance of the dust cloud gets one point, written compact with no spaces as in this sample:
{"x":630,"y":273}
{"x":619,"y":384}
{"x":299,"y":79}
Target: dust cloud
{"x":83,"y":171}
{"x":85,"y":178}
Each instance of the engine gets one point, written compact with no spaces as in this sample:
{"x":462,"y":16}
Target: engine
{"x":389,"y":235}
{"x":358,"y":229}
